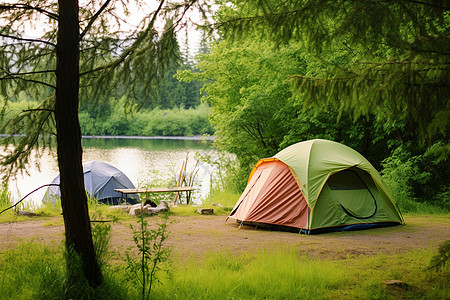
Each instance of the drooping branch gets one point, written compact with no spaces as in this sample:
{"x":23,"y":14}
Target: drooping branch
{"x":429,"y":4}
{"x":38,"y":109}
{"x":13,"y":76}
{"x":94,"y":17}
{"x":131,"y":49}
{"x":187,"y":6}
{"x":27,"y":73}
{"x":21,"y":6}
{"x":27,"y":40}
{"x":19,"y":157}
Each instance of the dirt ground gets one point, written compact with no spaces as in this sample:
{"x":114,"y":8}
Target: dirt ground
{"x":195,"y":235}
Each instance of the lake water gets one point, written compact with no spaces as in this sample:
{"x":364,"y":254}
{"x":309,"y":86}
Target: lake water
{"x":144,"y":161}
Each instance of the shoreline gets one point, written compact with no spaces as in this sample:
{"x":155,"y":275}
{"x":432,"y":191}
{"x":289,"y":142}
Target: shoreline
{"x":137,"y":137}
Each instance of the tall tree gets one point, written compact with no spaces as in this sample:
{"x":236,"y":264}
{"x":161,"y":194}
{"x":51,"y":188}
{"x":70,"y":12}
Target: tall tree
{"x":87,"y":45}
{"x":400,"y":50}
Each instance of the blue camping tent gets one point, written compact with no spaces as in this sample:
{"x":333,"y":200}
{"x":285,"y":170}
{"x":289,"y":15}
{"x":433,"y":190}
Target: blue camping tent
{"x":100,"y":180}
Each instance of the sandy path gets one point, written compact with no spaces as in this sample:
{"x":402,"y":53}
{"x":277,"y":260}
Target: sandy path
{"x":196,"y":235}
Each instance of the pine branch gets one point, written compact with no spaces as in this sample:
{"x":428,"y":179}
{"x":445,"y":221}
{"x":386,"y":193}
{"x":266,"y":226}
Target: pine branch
{"x":27,"y":40}
{"x":187,"y":6}
{"x":19,"y":6}
{"x":29,"y":73}
{"x":426,"y":4}
{"x":38,"y":109}
{"x":130,"y":50}
{"x":94,"y":18}
{"x":29,"y":80}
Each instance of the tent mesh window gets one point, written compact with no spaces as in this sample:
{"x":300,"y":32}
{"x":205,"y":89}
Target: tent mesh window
{"x":348,"y":180}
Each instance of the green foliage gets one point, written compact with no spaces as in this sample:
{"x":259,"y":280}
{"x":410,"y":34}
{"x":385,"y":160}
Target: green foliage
{"x":256,"y":115}
{"x":144,"y":264}
{"x":395,"y":54}
{"x":246,"y":80}
{"x":417,"y":179}
{"x":178,"y":94}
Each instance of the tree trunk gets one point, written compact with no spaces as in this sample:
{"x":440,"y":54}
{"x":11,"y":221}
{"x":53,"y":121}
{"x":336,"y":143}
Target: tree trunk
{"x":73,"y":195}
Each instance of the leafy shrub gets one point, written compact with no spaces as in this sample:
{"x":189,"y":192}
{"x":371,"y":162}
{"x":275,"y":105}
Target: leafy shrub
{"x":418,"y":182}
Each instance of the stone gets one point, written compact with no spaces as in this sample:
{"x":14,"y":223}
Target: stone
{"x":205,"y":211}
{"x":396,"y":283}
{"x":137,"y":209}
{"x":26,"y":213}
{"x":162,"y":207}
{"x":124,"y":208}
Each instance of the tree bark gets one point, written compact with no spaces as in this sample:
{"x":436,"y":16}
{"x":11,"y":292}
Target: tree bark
{"x":73,"y":196}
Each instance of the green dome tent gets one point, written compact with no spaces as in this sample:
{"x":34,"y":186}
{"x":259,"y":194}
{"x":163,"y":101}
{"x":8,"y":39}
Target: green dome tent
{"x":315,"y":186}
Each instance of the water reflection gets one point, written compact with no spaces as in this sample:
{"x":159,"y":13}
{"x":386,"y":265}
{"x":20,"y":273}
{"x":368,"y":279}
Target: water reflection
{"x":146,"y":144}
{"x":144,"y":161}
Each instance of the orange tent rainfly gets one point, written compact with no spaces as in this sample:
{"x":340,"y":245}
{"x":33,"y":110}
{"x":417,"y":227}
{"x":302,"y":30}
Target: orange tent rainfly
{"x":316,"y":186}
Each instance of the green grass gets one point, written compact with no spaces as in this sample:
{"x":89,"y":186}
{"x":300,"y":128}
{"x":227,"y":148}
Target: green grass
{"x":276,"y":275}
{"x":31,"y":271}
{"x":36,"y":271}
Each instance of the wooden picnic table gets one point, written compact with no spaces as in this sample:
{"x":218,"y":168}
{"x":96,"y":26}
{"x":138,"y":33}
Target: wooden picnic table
{"x":156,"y":190}
{"x":126,"y":192}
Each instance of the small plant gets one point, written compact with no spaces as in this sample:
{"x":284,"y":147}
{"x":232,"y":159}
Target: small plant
{"x":439,"y":261}
{"x":143,"y":267}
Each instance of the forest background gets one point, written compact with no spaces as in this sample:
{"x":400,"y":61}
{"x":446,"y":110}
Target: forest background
{"x":242,"y":90}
